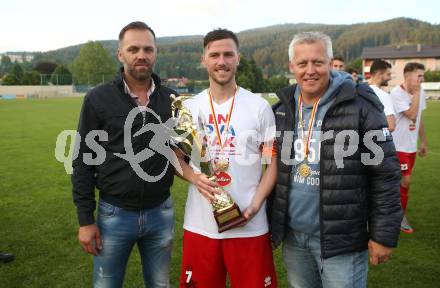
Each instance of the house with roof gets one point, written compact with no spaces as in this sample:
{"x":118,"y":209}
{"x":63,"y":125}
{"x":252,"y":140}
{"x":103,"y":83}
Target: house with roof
{"x":399,"y":56}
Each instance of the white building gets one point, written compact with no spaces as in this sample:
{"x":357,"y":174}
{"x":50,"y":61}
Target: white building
{"x":19,"y":57}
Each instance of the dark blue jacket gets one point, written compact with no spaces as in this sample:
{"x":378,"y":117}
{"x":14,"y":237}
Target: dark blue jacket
{"x":357,"y":202}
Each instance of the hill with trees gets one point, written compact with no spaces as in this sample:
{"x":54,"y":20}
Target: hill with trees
{"x":264,"y":47}
{"x":180,"y":56}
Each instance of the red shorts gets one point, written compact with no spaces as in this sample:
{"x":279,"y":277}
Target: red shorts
{"x":248,"y":262}
{"x":406,"y":162}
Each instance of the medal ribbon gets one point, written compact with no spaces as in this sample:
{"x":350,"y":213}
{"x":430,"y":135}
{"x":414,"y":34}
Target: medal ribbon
{"x":228,"y":118}
{"x":311,"y":122}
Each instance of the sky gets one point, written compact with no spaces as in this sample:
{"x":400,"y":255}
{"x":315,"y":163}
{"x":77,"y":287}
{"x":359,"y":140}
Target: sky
{"x":45,"y":25}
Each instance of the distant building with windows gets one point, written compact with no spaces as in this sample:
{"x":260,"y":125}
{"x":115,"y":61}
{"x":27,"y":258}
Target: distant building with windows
{"x":18,"y":57}
{"x":399,"y":56}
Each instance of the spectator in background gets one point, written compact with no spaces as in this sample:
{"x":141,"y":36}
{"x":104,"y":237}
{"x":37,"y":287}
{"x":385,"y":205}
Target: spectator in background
{"x":354,"y":75}
{"x":380,"y":72}
{"x":409,"y":101}
{"x":338,"y":63}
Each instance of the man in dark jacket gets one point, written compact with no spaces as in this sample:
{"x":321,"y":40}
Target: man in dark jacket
{"x":134,"y":181}
{"x":337,"y":194}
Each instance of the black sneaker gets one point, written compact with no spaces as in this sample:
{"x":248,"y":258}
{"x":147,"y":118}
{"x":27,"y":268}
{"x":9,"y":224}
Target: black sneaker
{"x":6,"y":257}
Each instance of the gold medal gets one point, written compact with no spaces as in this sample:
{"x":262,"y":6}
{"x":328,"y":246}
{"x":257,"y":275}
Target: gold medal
{"x":304,"y":170}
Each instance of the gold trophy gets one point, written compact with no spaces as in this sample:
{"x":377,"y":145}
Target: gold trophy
{"x":190,"y":140}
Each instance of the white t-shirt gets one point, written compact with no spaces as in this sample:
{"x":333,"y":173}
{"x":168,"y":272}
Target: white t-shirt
{"x":252,"y":123}
{"x":406,"y":132}
{"x":384,"y":97}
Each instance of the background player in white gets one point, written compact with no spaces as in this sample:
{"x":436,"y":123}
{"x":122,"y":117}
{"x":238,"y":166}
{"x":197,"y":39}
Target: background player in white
{"x":409,"y":102}
{"x":245,"y":125}
{"x":338,"y":63}
{"x":380,"y":76}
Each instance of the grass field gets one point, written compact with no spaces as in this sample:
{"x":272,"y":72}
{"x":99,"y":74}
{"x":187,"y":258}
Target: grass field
{"x":38,"y":220}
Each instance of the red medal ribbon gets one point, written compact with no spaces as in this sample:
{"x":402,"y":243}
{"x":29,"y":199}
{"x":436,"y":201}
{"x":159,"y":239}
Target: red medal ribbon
{"x":228,"y":118}
{"x":311,"y":122}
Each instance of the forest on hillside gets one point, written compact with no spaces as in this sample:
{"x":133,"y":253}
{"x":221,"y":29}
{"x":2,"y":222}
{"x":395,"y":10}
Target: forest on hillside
{"x":180,"y":56}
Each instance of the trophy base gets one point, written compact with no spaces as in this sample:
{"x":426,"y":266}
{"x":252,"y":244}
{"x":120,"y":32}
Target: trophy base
{"x":229,"y":218}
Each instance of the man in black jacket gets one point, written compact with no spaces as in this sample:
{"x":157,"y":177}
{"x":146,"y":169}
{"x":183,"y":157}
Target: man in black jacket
{"x":133,"y":178}
{"x":336,"y":199}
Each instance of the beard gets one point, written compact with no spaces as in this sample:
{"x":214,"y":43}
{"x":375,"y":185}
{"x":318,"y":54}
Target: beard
{"x":222,"y":81}
{"x":384,"y":83}
{"x":140,"y":74}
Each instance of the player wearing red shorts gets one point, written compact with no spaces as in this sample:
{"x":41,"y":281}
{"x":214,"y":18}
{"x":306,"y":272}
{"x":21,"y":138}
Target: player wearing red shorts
{"x":240,"y":128}
{"x":409,"y":102}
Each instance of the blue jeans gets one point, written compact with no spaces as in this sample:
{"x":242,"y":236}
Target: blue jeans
{"x":305,"y":268}
{"x":151,"y":229}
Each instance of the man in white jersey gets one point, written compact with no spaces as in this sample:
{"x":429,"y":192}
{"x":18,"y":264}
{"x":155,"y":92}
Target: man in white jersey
{"x":240,"y":128}
{"x":380,"y":76}
{"x":409,"y":102}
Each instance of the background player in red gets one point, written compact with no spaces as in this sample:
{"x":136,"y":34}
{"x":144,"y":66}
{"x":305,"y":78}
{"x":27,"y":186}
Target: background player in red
{"x":409,"y":102}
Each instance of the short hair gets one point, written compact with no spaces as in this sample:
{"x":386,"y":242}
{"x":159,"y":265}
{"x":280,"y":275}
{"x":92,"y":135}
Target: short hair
{"x":413,"y":66}
{"x":379,"y":65}
{"x":136,"y":25}
{"x":219,"y":34}
{"x":310,"y":38}
{"x":338,"y":57}
{"x":351,"y":71}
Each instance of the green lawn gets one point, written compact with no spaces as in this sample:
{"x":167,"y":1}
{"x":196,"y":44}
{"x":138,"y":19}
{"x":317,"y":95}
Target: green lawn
{"x":38,"y":221}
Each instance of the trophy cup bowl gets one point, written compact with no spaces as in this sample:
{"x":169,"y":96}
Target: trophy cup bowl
{"x":189,"y":138}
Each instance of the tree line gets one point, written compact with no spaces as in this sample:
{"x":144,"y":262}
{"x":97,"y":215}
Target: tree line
{"x":180,"y":56}
{"x":95,"y":65}
{"x":43,"y":73}
{"x":263,"y":51}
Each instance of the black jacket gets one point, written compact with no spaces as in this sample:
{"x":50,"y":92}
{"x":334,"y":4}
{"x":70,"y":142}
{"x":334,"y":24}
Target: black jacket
{"x":106,"y":108}
{"x":357,"y":202}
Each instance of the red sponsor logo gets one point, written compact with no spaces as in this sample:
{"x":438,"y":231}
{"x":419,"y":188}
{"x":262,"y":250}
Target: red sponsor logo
{"x":223,"y":179}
